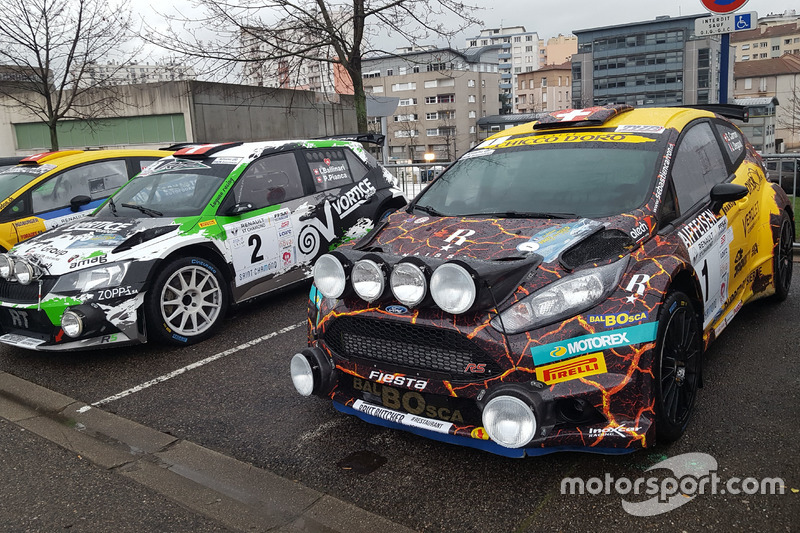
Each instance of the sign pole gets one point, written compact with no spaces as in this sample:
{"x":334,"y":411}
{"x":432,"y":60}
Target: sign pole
{"x":723,"y":68}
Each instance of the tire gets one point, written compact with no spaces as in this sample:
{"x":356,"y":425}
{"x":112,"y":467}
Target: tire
{"x":187,"y":302}
{"x":782,"y":259}
{"x":677,"y":366}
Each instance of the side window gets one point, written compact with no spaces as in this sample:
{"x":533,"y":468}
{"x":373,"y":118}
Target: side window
{"x":269,"y":181}
{"x":732,"y":140}
{"x":96,"y":180}
{"x":357,"y":167}
{"x":143,"y":164}
{"x":329,"y":168}
{"x":698,"y":166}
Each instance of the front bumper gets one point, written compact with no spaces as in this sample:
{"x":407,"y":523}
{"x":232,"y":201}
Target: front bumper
{"x":433,"y":374}
{"x":38,"y":326}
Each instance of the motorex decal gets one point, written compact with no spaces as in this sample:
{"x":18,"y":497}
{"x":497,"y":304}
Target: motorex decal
{"x":551,"y":242}
{"x":558,"y":351}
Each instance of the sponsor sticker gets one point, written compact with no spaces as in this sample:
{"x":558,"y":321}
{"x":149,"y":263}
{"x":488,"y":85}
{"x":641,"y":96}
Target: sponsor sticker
{"x":640,"y":128}
{"x":405,"y":419}
{"x":617,"y":319}
{"x":556,"y":138}
{"x":554,"y":351}
{"x":551,"y":242}
{"x":588,"y":365}
{"x":207,"y":223}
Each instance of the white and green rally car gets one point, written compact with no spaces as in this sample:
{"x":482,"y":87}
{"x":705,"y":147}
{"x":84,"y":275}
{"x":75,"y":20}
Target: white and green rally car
{"x":168,"y":253}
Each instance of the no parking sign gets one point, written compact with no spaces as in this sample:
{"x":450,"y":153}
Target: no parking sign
{"x":723,"y":7}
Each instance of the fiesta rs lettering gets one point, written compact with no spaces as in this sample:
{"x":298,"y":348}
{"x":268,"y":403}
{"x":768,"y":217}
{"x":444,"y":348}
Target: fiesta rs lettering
{"x":399,"y":380}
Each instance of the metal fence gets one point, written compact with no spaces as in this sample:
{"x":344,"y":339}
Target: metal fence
{"x":415,"y":177}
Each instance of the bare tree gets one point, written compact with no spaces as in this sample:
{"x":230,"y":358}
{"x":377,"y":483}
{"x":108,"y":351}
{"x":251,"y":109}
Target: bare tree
{"x":49,"y":50}
{"x":789,"y":115}
{"x":292,"y":33}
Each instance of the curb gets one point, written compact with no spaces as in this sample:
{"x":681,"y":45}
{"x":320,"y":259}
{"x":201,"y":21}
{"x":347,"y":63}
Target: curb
{"x":233,"y":493}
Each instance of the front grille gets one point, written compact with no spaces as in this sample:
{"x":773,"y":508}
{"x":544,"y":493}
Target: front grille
{"x":409,"y":346}
{"x":11,"y":291}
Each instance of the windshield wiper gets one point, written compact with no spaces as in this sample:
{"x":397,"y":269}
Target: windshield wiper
{"x":146,"y":210}
{"x":113,"y":206}
{"x":524,"y":214}
{"x":429,"y":210}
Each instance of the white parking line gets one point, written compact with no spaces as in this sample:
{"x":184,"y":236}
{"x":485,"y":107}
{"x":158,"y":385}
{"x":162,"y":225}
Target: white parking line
{"x":192,"y":366}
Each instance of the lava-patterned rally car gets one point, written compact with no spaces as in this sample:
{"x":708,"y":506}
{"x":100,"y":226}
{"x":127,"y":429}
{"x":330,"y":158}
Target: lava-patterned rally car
{"x":556,"y":287}
{"x":171,"y":250}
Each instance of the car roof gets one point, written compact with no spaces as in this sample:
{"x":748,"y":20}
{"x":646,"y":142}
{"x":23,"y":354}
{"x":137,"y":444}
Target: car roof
{"x":65,"y":158}
{"x":667,"y":117}
{"x":245,"y":149}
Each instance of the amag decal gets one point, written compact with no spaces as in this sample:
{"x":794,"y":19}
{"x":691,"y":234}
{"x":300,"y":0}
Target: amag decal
{"x":555,"y":351}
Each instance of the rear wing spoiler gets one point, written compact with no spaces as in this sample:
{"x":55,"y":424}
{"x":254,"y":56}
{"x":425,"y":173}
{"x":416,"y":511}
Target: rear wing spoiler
{"x":372,"y":138}
{"x":734,"y":111}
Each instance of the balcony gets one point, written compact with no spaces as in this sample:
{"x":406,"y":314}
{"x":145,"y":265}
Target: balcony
{"x":504,"y":55}
{"x":505,"y":76}
{"x":505,"y":86}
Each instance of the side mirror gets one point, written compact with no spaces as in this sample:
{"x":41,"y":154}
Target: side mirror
{"x":78,"y":201}
{"x":722,"y":193}
{"x":238,"y":209}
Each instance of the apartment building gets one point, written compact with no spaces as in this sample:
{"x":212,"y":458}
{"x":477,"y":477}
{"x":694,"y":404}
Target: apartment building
{"x":777,"y":78}
{"x":520,"y":51}
{"x":546,"y":89}
{"x":441,"y":91}
{"x":560,"y":49}
{"x":113,"y":73}
{"x":650,"y":63}
{"x":767,"y":42}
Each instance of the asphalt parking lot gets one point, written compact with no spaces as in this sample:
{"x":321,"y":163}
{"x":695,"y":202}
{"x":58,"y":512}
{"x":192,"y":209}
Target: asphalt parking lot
{"x":232,"y":394}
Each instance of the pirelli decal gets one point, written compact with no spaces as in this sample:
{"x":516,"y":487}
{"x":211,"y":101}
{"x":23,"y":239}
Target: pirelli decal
{"x":588,"y":365}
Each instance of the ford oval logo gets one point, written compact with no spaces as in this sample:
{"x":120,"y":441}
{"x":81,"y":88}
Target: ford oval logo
{"x":397,"y":309}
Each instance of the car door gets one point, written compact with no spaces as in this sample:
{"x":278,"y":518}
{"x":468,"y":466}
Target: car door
{"x":259,"y":232}
{"x":50,"y":201}
{"x":707,"y":234}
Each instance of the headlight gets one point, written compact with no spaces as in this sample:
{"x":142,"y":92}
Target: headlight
{"x":94,"y":278}
{"x":329,"y":276}
{"x":6,"y":266}
{"x":302,"y":375}
{"x":509,"y":421}
{"x":561,"y":299}
{"x":72,"y":324}
{"x":408,"y":284}
{"x":452,"y":288}
{"x":368,"y":280}
{"x":24,"y":271}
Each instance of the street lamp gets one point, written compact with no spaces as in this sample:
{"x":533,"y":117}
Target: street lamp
{"x":429,"y":157}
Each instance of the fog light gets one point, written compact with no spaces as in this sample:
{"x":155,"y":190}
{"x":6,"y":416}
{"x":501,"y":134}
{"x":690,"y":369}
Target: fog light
{"x":6,"y":266}
{"x":329,"y":276}
{"x":24,"y":272}
{"x":408,"y":284}
{"x":452,"y":288}
{"x":509,"y":421}
{"x":368,"y":280}
{"x":72,"y":324}
{"x":302,"y":375}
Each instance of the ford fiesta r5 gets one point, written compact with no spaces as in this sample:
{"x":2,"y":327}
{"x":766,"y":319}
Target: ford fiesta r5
{"x":191,"y":234}
{"x":555,"y":288}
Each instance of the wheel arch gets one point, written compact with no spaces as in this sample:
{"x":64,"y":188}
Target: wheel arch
{"x":204,"y":251}
{"x":686,"y":281}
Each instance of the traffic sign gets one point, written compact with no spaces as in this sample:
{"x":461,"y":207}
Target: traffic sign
{"x":723,"y":7}
{"x":725,"y":23}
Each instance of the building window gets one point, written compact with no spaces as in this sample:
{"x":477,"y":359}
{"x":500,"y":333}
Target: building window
{"x":471,"y":99}
{"x":415,"y":70}
{"x":407,"y":101}
{"x":432,"y":116}
{"x":745,"y":58}
{"x":473,"y":43}
{"x":389,"y":72}
{"x":544,"y":98}
{"x":544,"y":82}
{"x":471,"y":83}
{"x":472,"y":129}
{"x":522,"y":84}
{"x":776,"y":48}
{"x":528,"y":38}
{"x":472,"y":114}
{"x":763,"y":56}
{"x":410,"y":86}
{"x":517,"y":39}
{"x":787,"y":41}
{"x":748,"y":83}
{"x":483,"y":99}
{"x":745,"y":47}
{"x":529,"y":48}
{"x":483,"y":83}
{"x":430,"y":84}
{"x":762,"y":85}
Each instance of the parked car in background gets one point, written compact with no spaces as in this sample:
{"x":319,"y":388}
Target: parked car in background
{"x":783,"y":171}
{"x":46,"y":190}
{"x":555,"y":288}
{"x":193,"y":233}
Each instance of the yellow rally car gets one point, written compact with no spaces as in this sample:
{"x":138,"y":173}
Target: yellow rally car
{"x":46,"y":190}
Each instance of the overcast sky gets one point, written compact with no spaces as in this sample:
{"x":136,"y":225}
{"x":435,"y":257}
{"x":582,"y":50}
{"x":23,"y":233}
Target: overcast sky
{"x":550,"y":17}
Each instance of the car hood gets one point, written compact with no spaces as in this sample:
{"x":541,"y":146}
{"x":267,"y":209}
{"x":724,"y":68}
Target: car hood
{"x":87,"y":242}
{"x":480,"y":238}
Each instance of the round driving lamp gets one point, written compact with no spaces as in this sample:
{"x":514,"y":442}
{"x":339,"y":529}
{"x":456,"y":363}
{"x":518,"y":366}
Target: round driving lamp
{"x":509,"y":421}
{"x":6,"y":266}
{"x":329,"y":276}
{"x":368,"y":280}
{"x":24,"y":272}
{"x":72,"y":324}
{"x":452,"y":288}
{"x":302,"y":374}
{"x":408,"y":284}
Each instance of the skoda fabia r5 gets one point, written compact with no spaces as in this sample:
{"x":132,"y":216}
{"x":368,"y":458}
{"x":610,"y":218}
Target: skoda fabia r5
{"x":167,"y":255}
{"x":556,"y":287}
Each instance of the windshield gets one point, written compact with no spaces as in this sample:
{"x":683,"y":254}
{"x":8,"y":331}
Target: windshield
{"x":14,"y":178}
{"x":564,"y":180}
{"x":168,"y":188}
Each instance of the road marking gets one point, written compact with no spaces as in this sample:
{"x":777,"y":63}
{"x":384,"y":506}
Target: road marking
{"x":192,"y":366}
